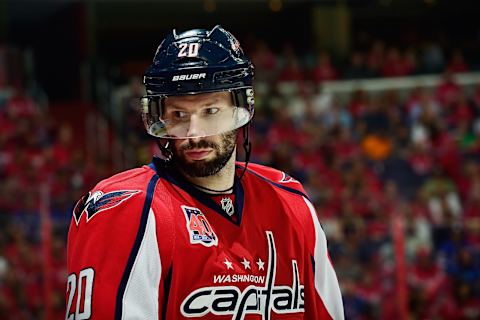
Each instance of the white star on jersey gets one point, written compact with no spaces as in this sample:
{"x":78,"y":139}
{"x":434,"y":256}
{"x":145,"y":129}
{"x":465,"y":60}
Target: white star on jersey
{"x":246,"y":263}
{"x":228,"y":264}
{"x":260,"y":264}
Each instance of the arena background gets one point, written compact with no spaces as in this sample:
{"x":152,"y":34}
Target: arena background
{"x":373,"y":104}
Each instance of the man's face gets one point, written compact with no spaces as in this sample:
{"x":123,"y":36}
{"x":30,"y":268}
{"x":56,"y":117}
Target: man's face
{"x":207,"y":155}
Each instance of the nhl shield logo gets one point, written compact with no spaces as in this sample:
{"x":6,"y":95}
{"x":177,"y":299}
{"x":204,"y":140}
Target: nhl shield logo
{"x":227,"y":206}
{"x":199,"y":228}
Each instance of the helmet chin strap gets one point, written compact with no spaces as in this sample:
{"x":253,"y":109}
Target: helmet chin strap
{"x":247,"y":146}
{"x":164,"y":149}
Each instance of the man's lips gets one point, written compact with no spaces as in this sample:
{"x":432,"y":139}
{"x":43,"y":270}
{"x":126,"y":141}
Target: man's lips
{"x":198,"y":154}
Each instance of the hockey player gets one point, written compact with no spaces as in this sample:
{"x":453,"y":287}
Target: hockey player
{"x":196,"y":234}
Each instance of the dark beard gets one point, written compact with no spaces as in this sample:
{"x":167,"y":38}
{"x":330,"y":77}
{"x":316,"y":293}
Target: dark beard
{"x":205,"y":168}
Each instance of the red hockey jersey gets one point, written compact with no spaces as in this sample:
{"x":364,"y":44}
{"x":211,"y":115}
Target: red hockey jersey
{"x":146,"y":244}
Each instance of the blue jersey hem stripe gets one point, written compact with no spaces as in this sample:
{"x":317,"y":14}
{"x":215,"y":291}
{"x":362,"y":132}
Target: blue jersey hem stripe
{"x":136,"y":247}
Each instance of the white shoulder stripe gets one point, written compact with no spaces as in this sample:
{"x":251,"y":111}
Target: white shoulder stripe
{"x":140,"y":300}
{"x":326,"y":283}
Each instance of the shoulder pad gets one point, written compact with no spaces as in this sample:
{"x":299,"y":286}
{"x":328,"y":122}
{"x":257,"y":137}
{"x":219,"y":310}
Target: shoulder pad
{"x":112,"y":192}
{"x":275,"y":177}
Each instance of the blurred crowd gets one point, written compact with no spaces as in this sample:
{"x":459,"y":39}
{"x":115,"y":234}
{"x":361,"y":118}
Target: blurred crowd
{"x":369,"y":160}
{"x":373,"y":159}
{"x":37,"y":151}
{"x":365,"y":161}
{"x":369,"y":58}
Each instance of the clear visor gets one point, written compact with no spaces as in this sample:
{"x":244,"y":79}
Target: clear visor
{"x":181,"y":117}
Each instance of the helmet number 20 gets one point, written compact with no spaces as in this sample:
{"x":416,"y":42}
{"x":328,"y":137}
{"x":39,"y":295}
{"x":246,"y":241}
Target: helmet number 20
{"x":188,"y":49}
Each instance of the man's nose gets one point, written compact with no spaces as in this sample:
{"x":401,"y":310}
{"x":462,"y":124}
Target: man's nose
{"x":195,"y":127}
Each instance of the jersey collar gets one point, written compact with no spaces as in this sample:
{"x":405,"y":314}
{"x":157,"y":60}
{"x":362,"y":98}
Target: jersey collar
{"x":169,"y":173}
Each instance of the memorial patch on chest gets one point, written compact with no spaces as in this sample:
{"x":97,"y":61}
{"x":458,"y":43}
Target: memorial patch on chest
{"x":200,"y":231}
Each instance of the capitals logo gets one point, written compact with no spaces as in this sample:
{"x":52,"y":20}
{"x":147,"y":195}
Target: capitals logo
{"x":198,"y":227}
{"x":264,"y":300}
{"x":98,"y":201}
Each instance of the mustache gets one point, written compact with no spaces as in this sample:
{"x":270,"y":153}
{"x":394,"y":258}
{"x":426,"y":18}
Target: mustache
{"x":202,"y":144}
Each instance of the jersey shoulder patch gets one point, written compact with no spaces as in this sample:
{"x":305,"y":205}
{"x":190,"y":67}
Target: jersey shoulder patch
{"x":98,"y":201}
{"x":112,"y":192}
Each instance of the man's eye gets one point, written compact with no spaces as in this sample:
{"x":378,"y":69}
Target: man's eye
{"x":211,"y":110}
{"x":180,"y":114}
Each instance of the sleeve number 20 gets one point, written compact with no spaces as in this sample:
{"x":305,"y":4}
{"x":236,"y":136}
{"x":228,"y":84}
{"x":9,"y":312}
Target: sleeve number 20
{"x":83,"y":286}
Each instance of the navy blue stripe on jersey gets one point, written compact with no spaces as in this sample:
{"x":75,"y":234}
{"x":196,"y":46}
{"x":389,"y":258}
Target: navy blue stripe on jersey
{"x":136,"y":246}
{"x":152,"y":166}
{"x":167,"y":285}
{"x":272,"y":257}
{"x":279,"y":185}
{"x":313,"y":264}
{"x":174,"y":177}
{"x":239,"y":199}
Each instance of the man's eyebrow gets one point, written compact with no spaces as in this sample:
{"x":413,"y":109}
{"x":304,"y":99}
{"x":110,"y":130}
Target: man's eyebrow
{"x":208,"y":103}
{"x":172,"y":105}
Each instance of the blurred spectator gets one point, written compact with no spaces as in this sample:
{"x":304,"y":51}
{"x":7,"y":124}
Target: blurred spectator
{"x":465,"y":268}
{"x":375,"y":58}
{"x":359,"y":102}
{"x":443,"y":200}
{"x":433,"y":59}
{"x":472,"y":197}
{"x":290,"y":69}
{"x":355,"y":307}
{"x":369,"y":289}
{"x":3,"y":68}
{"x":448,"y":90}
{"x":410,"y":61}
{"x":21,"y":104}
{"x":457,"y":62}
{"x":421,"y":160}
{"x":468,"y":303}
{"x":461,"y":111}
{"x":395,"y":65}
{"x":417,"y":231}
{"x":323,"y":69}
{"x":264,"y":61}
{"x":476,"y":100}
{"x":425,"y":280}
{"x":357,"y":68}
{"x":337,"y":117}
{"x":377,"y":146}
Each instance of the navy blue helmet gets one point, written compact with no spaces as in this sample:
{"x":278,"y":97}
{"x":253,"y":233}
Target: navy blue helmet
{"x":195,"y":62}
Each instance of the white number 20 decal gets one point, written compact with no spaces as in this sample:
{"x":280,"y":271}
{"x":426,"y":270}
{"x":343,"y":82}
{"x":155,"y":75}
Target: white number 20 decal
{"x":188,"y":49}
{"x":83,"y":286}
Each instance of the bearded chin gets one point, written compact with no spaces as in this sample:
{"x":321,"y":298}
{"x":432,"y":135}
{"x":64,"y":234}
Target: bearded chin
{"x":205,"y":168}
